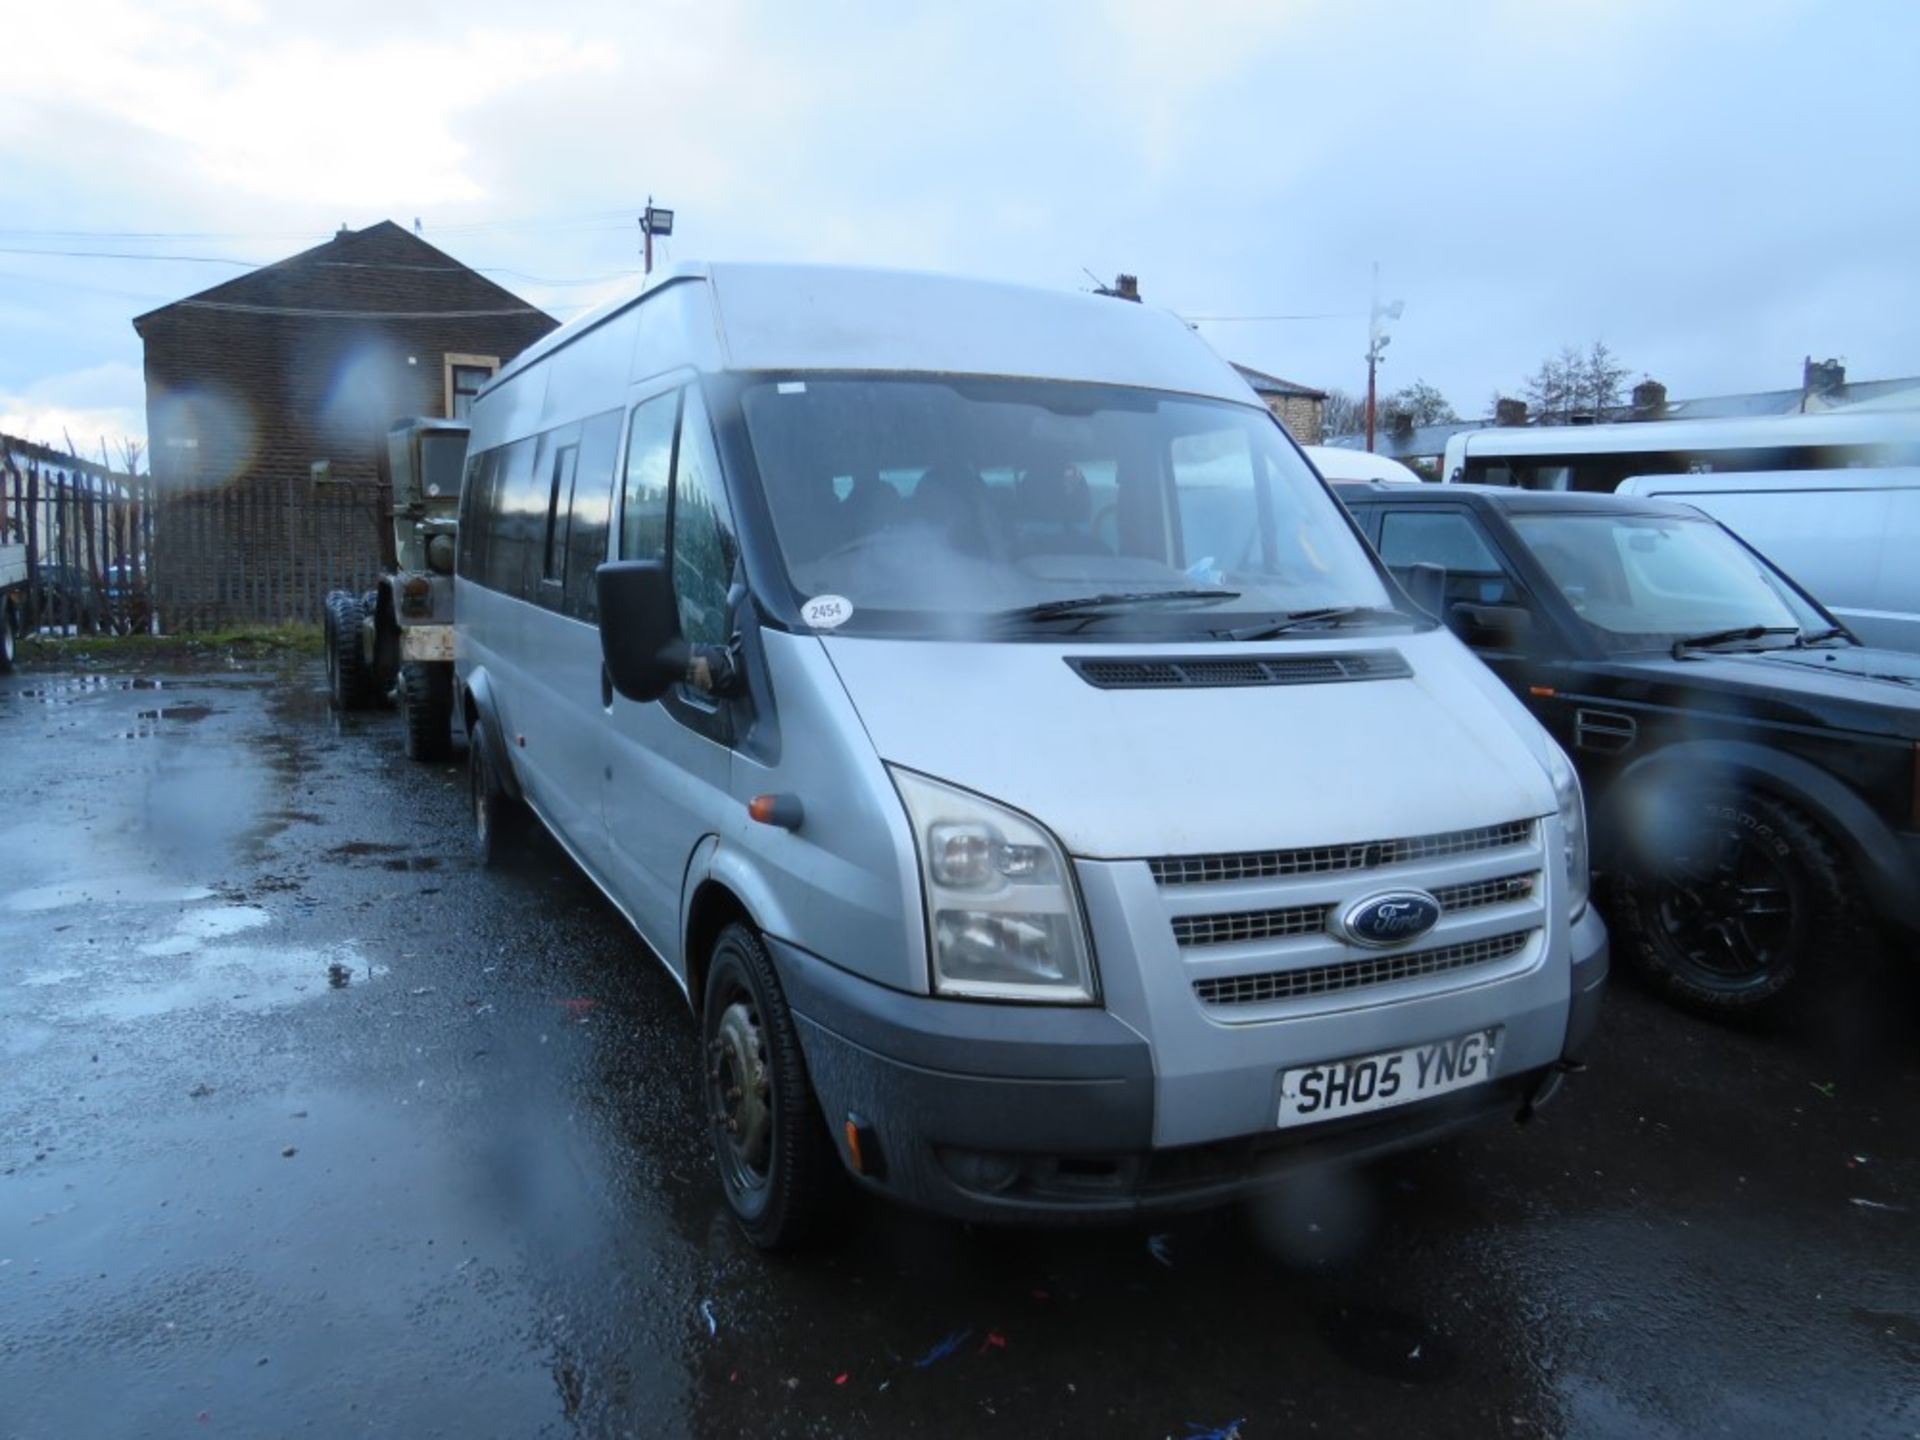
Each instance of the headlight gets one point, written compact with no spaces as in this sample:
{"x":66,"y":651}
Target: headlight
{"x":1003,"y":915}
{"x":1573,"y":824}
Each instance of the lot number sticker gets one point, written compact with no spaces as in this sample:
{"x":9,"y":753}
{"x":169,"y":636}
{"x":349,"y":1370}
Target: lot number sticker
{"x":827,"y":612}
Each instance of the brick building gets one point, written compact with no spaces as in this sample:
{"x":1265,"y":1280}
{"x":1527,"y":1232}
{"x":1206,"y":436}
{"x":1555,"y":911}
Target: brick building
{"x":1298,"y":407}
{"x":268,"y":399}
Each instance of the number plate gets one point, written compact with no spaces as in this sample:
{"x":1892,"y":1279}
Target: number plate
{"x":1393,"y":1077}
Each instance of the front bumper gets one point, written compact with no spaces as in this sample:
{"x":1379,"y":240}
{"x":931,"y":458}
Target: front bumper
{"x":1046,"y":1114}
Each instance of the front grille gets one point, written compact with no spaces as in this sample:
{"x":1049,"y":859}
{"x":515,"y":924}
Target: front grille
{"x":1328,"y":859}
{"x":1248,"y":925}
{"x":1357,"y":974}
{"x":1203,"y":672}
{"x":1476,"y":893}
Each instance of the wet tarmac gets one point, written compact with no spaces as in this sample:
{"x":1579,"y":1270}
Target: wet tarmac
{"x":308,"y":1127}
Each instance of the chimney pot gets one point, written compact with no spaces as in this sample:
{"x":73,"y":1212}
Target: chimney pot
{"x":1509,"y":412}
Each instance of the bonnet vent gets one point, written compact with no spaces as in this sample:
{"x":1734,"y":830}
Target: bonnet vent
{"x":1198,"y":672}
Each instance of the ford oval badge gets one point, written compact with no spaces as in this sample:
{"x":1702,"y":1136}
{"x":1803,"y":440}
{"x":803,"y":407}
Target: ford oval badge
{"x":1391,"y":918}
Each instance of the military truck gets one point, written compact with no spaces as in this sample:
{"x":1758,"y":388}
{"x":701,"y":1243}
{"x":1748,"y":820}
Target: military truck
{"x":394,"y":644}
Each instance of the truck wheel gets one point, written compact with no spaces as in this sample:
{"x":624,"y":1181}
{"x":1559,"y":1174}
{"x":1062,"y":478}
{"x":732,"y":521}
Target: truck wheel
{"x":1743,"y":909}
{"x":498,"y":818}
{"x":347,"y":675}
{"x":777,"y":1168}
{"x":426,"y":709}
{"x":8,"y":629}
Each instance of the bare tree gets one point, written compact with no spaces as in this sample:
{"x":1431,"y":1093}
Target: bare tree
{"x":1601,"y":378}
{"x":131,"y":453}
{"x":1342,"y":414}
{"x":1570,"y":383}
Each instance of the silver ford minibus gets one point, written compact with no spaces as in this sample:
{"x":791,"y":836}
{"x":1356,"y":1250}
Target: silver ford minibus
{"x":1048,"y":803}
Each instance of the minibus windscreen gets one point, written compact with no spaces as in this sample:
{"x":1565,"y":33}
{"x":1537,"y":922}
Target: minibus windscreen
{"x":929,"y":501}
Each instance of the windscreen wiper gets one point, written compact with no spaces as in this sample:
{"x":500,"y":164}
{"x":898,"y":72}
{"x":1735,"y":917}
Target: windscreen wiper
{"x":1327,"y":615}
{"x":1080,"y":605}
{"x":1727,"y":637}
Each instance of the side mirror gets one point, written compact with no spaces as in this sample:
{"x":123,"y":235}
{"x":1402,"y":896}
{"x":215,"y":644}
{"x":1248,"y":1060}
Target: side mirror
{"x":1426,"y":586}
{"x":1504,"y":626}
{"x":640,"y":628}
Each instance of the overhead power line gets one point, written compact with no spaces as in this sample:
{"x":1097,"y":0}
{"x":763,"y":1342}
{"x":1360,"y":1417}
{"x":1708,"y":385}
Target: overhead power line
{"x":1250,"y":319}
{"x":131,"y":255}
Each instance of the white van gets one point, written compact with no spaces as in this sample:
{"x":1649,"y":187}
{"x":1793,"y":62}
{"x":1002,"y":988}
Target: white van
{"x":1852,"y":537}
{"x":987,"y":717}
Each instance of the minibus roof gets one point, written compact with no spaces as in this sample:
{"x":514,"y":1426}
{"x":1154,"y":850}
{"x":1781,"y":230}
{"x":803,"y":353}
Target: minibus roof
{"x":826,"y":317}
{"x":1833,"y":427}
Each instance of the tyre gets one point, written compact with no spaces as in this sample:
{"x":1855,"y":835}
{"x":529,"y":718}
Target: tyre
{"x":498,"y":818}
{"x":1741,"y":907}
{"x":426,"y":710}
{"x":777,"y":1168}
{"x":9,"y":632}
{"x":347,"y":672}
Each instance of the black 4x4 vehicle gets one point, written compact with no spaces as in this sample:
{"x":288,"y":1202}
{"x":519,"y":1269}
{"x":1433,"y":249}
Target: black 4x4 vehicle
{"x":1752,"y":772}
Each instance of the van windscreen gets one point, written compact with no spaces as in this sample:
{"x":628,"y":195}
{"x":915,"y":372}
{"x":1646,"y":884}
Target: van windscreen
{"x":926,"y":501}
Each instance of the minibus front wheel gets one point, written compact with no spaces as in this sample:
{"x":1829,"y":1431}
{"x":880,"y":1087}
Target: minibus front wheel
{"x":769,"y":1140}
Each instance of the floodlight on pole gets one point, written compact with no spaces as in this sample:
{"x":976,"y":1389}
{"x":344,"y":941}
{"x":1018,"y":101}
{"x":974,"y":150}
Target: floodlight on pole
{"x":654,"y":221}
{"x":1377,"y":342}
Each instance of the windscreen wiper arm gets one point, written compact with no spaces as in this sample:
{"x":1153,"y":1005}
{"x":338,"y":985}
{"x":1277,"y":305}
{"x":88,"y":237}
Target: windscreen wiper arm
{"x":1322,"y":615}
{"x":1832,"y":632}
{"x":1074,"y":605}
{"x":1727,"y":637}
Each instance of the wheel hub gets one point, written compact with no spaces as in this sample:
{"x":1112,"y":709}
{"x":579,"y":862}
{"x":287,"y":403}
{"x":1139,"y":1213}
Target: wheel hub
{"x":740,"y":1090}
{"x":1727,"y":907}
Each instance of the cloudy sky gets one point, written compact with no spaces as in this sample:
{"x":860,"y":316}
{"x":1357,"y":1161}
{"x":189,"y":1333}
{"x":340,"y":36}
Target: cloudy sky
{"x":1714,"y":189}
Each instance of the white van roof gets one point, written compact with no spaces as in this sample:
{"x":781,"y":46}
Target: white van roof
{"x":1831,"y":427}
{"x":1337,"y":462}
{"x":828,"y":317}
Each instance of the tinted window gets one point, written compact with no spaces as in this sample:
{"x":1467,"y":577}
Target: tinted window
{"x":557,"y":461}
{"x":702,"y":537}
{"x":519,"y":520}
{"x":476,"y":515}
{"x":592,"y":503}
{"x":1451,"y":539}
{"x":643,"y":504}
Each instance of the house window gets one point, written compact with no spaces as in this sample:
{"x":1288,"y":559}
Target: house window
{"x":465,"y":374}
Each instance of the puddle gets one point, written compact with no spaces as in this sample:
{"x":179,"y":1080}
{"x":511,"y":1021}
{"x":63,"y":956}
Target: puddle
{"x":196,"y":927}
{"x":116,"y":890}
{"x":185,"y":713}
{"x":355,"y":848}
{"x":412,"y":862}
{"x":72,"y":690}
{"x":246,"y":977}
{"x":50,"y":977}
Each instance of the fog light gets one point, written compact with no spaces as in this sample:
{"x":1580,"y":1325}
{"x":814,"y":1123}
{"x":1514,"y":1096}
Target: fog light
{"x":986,"y":1171}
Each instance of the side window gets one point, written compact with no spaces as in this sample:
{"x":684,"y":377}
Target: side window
{"x":476,"y":515}
{"x":649,"y":472}
{"x":592,"y":501}
{"x":519,"y":513}
{"x":703,"y":548}
{"x":1449,"y":538}
{"x":560,"y":462}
